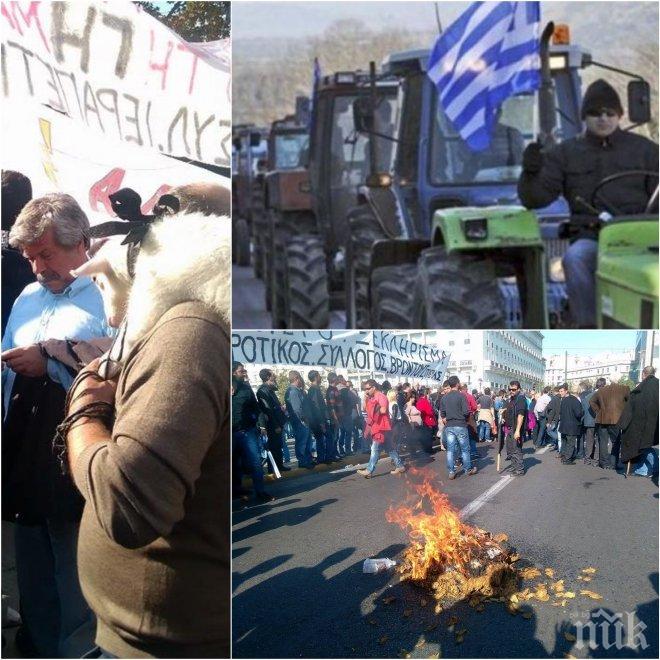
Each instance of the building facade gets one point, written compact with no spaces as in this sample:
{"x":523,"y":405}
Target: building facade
{"x":574,"y":368}
{"x":646,"y":353}
{"x":490,"y":358}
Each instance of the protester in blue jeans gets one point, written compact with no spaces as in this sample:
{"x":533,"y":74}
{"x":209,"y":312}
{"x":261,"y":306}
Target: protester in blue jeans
{"x":298,"y":409}
{"x":485,"y":416}
{"x":246,"y":450}
{"x":454,"y":413}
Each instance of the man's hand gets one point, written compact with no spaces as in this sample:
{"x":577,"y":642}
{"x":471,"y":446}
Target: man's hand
{"x":26,"y":360}
{"x":532,"y":160}
{"x":516,"y":435}
{"x":90,"y":390}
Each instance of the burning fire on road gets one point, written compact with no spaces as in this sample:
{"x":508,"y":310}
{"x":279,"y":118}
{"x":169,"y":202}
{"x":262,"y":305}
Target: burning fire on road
{"x":451,"y":558}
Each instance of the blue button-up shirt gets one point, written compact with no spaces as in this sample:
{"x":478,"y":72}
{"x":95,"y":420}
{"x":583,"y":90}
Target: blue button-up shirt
{"x":38,"y":314}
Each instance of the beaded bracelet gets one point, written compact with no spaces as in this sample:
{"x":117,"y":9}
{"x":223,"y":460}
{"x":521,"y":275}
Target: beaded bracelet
{"x":101,"y":410}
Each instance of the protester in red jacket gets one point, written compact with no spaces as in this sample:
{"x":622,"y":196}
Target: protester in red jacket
{"x":378,"y":429}
{"x":424,"y":406}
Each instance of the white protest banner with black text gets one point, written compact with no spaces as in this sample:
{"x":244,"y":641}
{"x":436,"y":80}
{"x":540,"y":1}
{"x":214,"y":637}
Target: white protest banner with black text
{"x":117,"y":69}
{"x":378,"y":350}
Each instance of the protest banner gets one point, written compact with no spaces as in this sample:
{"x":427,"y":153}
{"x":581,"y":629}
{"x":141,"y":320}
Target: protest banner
{"x":375,"y":350}
{"x":59,"y":156}
{"x":118,"y":70}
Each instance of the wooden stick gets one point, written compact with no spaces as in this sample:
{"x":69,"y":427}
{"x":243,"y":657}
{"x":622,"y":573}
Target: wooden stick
{"x":628,"y":469}
{"x":498,"y":461}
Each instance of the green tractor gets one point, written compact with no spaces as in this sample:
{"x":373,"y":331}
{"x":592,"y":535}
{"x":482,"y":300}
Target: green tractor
{"x":627,"y":267}
{"x":449,"y":244}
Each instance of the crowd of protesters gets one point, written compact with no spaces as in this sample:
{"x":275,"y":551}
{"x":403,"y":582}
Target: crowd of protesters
{"x":606,"y":427}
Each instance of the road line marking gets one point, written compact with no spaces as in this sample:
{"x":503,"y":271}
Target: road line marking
{"x":477,"y":503}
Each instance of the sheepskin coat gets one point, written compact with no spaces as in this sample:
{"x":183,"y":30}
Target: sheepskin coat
{"x":184,"y":257}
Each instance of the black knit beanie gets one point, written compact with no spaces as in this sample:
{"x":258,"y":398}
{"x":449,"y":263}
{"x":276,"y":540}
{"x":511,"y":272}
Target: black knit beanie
{"x":600,"y":94}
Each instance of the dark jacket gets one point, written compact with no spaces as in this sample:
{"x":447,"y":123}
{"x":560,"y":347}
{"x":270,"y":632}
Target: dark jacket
{"x":514,"y":408}
{"x":272,"y":416}
{"x":608,"y":403}
{"x":588,"y":421}
{"x":639,"y":420}
{"x":317,"y":409}
{"x":570,"y":415}
{"x":552,"y":410}
{"x":34,"y":487}
{"x":574,"y":168}
{"x":244,"y":409}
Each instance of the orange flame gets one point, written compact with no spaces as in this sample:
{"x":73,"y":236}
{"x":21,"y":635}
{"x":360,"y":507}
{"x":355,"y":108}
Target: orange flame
{"x":439,"y":539}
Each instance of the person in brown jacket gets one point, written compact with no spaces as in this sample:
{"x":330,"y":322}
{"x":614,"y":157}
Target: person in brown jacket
{"x":154,"y":540}
{"x":607,"y":404}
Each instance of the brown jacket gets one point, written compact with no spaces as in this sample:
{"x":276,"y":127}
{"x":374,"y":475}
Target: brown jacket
{"x":608,"y":403}
{"x":153,"y":549}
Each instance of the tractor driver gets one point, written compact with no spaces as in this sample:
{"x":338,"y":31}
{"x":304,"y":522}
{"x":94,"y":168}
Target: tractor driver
{"x":573,"y":169}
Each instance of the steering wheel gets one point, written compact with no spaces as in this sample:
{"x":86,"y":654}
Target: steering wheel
{"x":616,"y":177}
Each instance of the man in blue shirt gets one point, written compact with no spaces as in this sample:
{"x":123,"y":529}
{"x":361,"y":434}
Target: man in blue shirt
{"x":52,"y":234}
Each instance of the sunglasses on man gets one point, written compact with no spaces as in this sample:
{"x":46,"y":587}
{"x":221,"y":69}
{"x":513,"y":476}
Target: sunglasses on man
{"x":604,"y":111}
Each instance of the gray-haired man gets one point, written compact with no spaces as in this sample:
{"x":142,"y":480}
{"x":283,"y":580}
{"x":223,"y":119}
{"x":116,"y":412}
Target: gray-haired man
{"x":52,"y":234}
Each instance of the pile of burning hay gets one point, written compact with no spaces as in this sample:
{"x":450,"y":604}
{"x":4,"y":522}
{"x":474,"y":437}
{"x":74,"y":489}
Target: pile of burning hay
{"x":454,"y":560}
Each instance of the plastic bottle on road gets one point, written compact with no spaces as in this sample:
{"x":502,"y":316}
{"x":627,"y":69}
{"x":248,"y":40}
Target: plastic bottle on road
{"x":377,"y":565}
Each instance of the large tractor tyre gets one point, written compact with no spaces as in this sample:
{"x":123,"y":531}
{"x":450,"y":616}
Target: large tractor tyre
{"x":267,"y":257}
{"x":277,"y":284}
{"x":456,"y":291}
{"x":365,"y":231}
{"x":391,"y":296}
{"x":257,"y":253}
{"x":242,"y":243}
{"x":307,"y":297}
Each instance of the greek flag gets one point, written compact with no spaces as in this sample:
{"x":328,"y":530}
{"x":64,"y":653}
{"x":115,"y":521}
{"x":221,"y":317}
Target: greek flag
{"x":489,"y":53}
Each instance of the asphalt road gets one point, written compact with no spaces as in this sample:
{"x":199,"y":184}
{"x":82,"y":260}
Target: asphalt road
{"x":299,"y":590}
{"x":249,"y":306}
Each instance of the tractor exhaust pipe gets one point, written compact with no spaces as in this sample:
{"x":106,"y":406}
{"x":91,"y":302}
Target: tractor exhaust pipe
{"x":546,"y":98}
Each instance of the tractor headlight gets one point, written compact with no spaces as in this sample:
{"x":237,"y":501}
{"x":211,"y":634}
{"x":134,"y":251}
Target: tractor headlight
{"x":475,"y":229}
{"x":556,"y":270}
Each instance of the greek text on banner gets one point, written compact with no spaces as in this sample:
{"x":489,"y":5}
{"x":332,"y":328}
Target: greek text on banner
{"x":375,"y":350}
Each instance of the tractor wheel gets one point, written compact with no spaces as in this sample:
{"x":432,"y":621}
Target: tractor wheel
{"x":257,"y":254}
{"x":268,"y":253}
{"x":277,"y":283}
{"x":365,"y":231}
{"x":391,"y":296}
{"x":242,"y":242}
{"x":456,"y":291}
{"x":307,"y":298}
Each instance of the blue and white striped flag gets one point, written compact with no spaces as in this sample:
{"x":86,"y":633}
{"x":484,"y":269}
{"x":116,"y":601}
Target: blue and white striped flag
{"x":489,"y":53}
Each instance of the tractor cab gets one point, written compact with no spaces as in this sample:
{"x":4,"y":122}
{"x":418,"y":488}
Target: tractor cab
{"x":339,"y":155}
